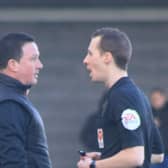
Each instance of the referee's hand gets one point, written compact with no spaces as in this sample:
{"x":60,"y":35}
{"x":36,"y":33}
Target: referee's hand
{"x":84,"y":163}
{"x":94,"y":155}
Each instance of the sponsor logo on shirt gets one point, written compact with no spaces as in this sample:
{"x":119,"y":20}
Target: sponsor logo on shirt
{"x":130,"y":119}
{"x":100,"y":138}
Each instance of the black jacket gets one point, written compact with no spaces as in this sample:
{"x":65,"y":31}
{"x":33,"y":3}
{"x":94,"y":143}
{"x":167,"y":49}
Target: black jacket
{"x":22,"y":136}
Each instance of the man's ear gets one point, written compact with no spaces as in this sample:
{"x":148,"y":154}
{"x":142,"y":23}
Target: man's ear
{"x":13,"y":65}
{"x":108,"y":57}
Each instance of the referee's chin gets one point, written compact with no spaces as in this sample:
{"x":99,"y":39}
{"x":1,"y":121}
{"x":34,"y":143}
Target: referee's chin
{"x":94,"y":79}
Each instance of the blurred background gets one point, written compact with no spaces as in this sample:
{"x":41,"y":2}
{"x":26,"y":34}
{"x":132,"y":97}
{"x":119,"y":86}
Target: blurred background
{"x":64,"y":95}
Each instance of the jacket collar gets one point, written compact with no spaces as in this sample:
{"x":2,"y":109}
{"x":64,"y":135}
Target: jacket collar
{"x":13,"y":84}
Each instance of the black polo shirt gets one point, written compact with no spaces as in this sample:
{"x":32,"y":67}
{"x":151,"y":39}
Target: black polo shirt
{"x":125,"y":120}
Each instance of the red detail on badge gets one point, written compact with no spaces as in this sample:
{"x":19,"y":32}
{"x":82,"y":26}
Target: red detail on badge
{"x":100,"y":134}
{"x":129,"y":117}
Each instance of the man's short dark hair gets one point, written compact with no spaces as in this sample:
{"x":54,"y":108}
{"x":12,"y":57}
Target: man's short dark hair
{"x":117,"y":42}
{"x":11,"y":47}
{"x":160,"y":90}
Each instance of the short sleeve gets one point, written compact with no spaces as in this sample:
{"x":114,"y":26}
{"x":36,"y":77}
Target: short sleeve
{"x":128,"y":122}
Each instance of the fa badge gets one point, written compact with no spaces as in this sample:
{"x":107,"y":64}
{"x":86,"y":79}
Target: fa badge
{"x":100,"y":138}
{"x":130,"y":119}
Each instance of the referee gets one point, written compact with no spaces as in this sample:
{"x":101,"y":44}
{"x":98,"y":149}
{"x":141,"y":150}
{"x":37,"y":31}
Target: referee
{"x":126,"y":136}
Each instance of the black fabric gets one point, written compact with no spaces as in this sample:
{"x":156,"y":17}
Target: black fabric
{"x":124,"y":95}
{"x":23,"y":142}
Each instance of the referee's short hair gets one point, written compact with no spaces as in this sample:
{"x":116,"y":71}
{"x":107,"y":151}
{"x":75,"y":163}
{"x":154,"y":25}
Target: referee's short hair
{"x":117,"y":42}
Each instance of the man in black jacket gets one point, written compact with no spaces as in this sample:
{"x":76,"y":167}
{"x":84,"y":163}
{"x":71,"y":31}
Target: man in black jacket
{"x":23,"y":141}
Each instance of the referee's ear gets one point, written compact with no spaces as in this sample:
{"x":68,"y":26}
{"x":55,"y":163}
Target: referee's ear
{"x":108,"y":58}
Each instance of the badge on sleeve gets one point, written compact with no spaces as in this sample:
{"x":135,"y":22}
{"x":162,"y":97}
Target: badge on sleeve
{"x":130,"y":119}
{"x":100,"y":138}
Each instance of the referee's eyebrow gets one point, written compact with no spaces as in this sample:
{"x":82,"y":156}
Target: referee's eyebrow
{"x":89,"y":52}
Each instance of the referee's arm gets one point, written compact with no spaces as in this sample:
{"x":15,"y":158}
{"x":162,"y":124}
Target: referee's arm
{"x":129,"y":157}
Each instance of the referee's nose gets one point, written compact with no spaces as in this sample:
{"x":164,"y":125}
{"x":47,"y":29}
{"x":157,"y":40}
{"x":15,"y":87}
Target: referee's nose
{"x":85,"y":60}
